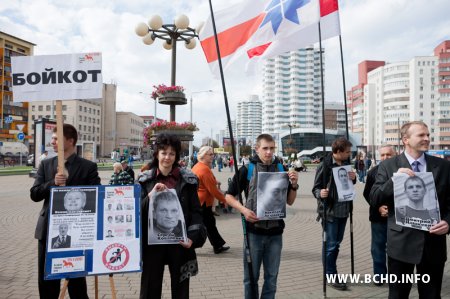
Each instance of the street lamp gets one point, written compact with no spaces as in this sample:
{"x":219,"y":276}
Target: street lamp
{"x":191,"y":145}
{"x":171,"y":34}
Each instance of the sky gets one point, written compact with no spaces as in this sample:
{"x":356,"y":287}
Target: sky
{"x":389,"y":30}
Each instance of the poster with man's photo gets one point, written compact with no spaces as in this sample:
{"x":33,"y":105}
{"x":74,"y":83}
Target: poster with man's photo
{"x":73,"y":219}
{"x":166,"y":220}
{"x":93,"y":230}
{"x":344,"y":185}
{"x":416,"y":204}
{"x":272,"y":188}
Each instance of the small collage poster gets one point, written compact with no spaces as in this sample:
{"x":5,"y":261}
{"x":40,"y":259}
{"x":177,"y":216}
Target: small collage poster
{"x":93,"y":230}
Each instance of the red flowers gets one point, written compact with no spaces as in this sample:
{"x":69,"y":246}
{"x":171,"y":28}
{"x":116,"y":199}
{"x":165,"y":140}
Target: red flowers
{"x":169,"y":126}
{"x":162,"y":89}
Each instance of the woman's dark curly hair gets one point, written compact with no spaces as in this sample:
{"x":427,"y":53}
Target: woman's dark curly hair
{"x":162,"y":142}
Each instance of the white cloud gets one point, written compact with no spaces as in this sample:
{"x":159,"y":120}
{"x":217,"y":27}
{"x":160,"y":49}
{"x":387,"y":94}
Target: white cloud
{"x":392,"y":30}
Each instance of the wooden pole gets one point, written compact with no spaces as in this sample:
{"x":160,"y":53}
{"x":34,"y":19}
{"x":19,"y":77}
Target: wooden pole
{"x":96,"y":286}
{"x":60,"y":136}
{"x":111,"y":283}
{"x":64,"y":289}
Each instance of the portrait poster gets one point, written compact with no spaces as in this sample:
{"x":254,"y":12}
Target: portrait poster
{"x":415,"y":200}
{"x":165,"y":219}
{"x":344,"y":185}
{"x":81,"y":238}
{"x":272,"y":188}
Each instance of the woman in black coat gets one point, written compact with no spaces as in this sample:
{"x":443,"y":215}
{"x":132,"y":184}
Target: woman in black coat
{"x":165,"y":174}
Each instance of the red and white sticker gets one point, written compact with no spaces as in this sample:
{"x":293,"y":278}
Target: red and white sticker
{"x":115,"y":257}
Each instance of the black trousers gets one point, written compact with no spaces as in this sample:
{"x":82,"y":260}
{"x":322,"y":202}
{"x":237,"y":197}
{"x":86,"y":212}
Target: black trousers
{"x":210,"y":223}
{"x":155,"y":257}
{"x":430,"y":290}
{"x":50,"y":289}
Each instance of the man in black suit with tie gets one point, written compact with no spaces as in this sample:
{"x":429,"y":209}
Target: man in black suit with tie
{"x":63,"y":239}
{"x":78,"y":172}
{"x":409,"y":248}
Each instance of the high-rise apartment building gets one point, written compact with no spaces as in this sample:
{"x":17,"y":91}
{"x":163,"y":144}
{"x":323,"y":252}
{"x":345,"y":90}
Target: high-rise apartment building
{"x":442,"y":52}
{"x":355,"y":97}
{"x":334,"y":116}
{"x":249,"y":118}
{"x":292,"y":91}
{"x":11,"y":114}
{"x":418,"y":89}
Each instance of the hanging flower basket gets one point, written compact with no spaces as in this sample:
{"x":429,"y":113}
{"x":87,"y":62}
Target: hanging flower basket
{"x":169,"y":95}
{"x":184,"y":131}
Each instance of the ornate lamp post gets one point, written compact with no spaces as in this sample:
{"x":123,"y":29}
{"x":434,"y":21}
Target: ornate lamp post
{"x":171,"y":34}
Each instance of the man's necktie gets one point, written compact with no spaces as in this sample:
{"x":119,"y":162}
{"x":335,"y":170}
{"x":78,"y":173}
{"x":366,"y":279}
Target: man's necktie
{"x":415,"y":166}
{"x":63,"y":239}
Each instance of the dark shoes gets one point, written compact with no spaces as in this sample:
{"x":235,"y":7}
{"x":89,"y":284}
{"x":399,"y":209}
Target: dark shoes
{"x":338,"y":286}
{"x":215,"y":213}
{"x":221,"y":249}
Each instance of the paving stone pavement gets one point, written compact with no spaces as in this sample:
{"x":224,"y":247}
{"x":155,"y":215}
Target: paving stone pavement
{"x":220,"y":275}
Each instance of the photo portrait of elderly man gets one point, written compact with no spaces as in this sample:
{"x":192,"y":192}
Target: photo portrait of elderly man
{"x":74,"y":201}
{"x":63,"y":239}
{"x":166,"y":225}
{"x":416,"y":191}
{"x":272,"y":188}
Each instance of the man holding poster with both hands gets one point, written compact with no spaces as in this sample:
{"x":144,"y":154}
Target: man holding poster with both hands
{"x":410,"y":248}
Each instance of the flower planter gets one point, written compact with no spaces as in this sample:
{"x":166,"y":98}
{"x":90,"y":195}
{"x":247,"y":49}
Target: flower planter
{"x":173,"y":98}
{"x":183,"y":135}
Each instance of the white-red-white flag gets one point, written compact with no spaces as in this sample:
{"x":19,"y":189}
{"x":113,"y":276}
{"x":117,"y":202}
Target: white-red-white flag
{"x":256,"y":29}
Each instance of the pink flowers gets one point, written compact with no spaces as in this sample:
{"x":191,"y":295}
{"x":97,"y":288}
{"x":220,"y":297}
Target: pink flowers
{"x":162,"y":89}
{"x":169,"y":126}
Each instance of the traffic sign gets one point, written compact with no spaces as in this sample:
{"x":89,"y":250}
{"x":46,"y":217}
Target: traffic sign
{"x":8,"y":119}
{"x":20,"y":136}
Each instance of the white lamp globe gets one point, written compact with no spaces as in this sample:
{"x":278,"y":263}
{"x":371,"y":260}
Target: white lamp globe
{"x":147,"y":39}
{"x":191,"y":44}
{"x":155,"y":22}
{"x":182,"y":22}
{"x":141,"y":29}
{"x":167,"y":46}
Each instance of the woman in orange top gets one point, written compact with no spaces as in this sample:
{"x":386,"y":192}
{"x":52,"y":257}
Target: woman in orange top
{"x":207,"y":191}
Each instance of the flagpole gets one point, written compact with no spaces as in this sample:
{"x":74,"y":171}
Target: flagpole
{"x":248,"y":258}
{"x":324,"y":219}
{"x":352,"y":252}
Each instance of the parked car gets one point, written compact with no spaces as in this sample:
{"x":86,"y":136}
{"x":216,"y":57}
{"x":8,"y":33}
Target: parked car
{"x":30,"y":160}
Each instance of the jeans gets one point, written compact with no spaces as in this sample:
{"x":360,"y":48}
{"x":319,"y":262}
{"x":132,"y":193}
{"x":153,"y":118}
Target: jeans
{"x":335,"y":233}
{"x":362,"y":176}
{"x":266,"y":250}
{"x":378,"y":247}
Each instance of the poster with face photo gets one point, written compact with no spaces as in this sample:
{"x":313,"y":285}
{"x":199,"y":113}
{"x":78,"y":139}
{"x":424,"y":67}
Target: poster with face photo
{"x":272,"y":188}
{"x":166,"y":220}
{"x":344,"y":185}
{"x":415,"y":200}
{"x":73,"y":220}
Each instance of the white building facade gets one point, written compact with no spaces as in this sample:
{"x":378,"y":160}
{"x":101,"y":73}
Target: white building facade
{"x":398,"y":93}
{"x":249,"y":118}
{"x":292,"y":91}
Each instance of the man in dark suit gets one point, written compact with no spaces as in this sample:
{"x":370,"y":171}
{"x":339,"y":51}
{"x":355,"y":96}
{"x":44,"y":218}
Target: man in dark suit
{"x":378,"y":218}
{"x":409,"y":248}
{"x":63,"y":239}
{"x":78,"y":171}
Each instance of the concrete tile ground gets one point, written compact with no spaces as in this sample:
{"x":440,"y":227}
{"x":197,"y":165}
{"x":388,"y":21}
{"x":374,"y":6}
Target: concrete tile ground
{"x":220,"y":275}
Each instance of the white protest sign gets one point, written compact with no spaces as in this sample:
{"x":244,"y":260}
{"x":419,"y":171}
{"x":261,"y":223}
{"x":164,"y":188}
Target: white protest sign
{"x":57,"y":77}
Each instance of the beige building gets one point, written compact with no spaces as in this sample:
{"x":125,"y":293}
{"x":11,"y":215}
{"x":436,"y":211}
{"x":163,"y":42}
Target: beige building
{"x":95,"y":120}
{"x":130,"y":132}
